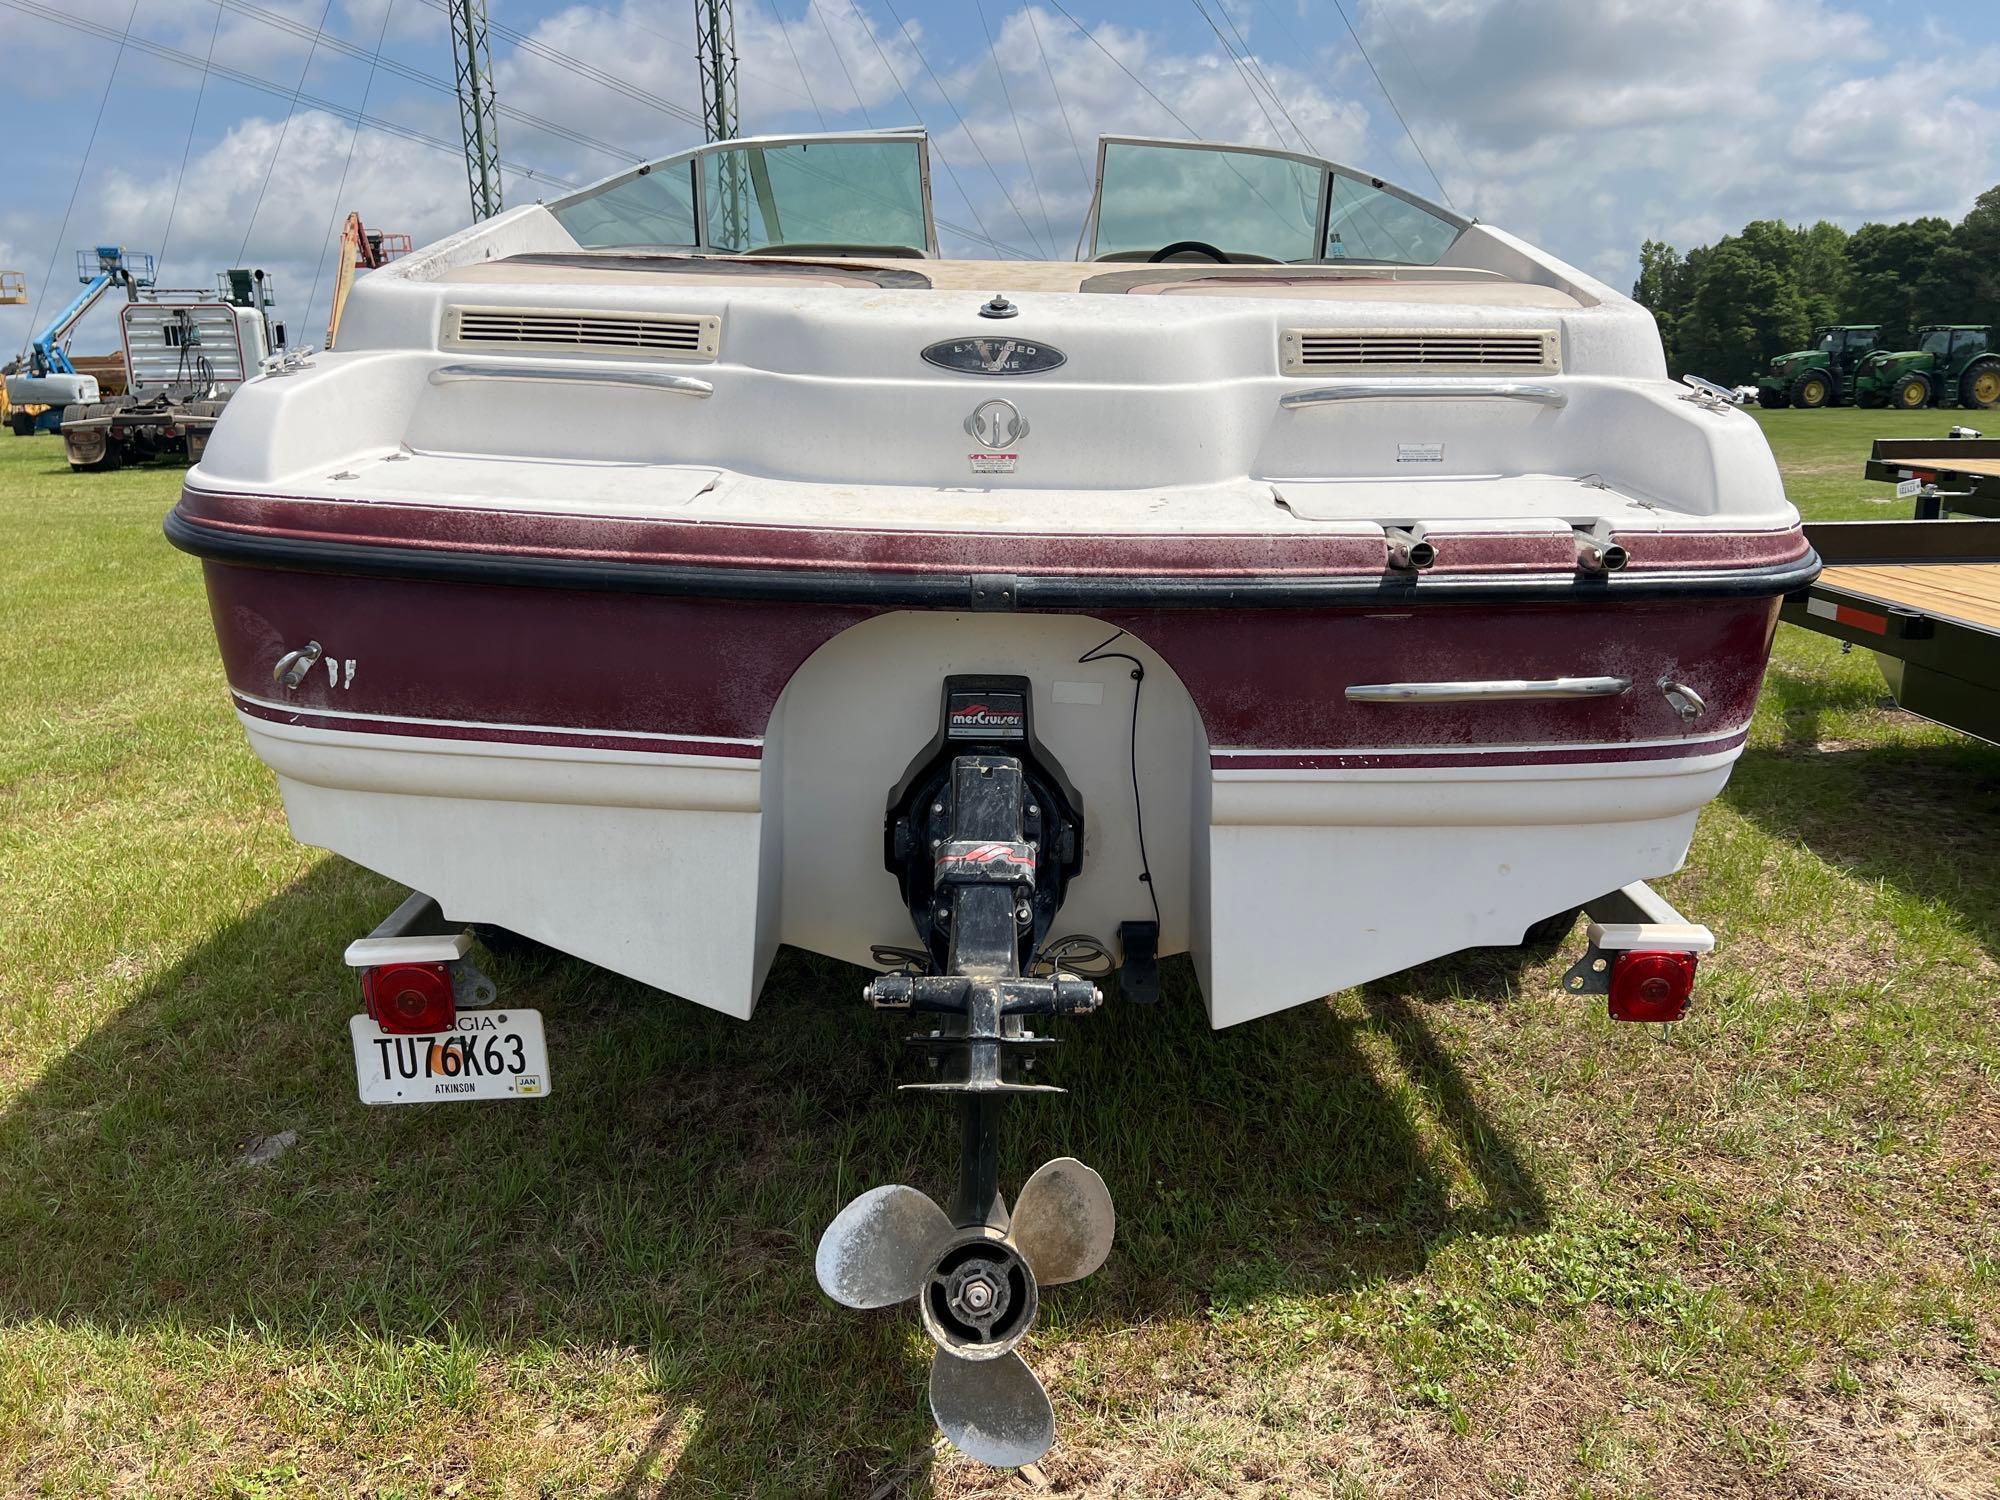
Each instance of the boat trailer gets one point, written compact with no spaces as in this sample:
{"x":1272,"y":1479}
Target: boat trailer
{"x":983,"y":833}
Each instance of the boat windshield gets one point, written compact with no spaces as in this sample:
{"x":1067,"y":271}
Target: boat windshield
{"x":1256,"y":206}
{"x":853,"y":194}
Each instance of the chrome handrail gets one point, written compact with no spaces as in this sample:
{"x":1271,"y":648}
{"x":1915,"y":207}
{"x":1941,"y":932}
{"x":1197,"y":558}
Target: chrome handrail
{"x":649,"y":380}
{"x":1514,"y":689}
{"x":1429,"y":390}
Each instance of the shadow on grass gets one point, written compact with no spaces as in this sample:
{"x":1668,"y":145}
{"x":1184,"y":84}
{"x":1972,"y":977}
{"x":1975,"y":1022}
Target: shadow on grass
{"x":667,"y":1198}
{"x":1917,"y":818}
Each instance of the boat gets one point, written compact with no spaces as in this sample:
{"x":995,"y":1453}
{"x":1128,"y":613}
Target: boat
{"x":1304,"y":577}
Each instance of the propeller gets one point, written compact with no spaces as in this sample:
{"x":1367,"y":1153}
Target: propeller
{"x":977,"y":1290}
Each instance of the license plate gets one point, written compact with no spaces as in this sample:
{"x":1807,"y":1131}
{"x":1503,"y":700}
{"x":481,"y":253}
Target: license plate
{"x":491,"y":1054}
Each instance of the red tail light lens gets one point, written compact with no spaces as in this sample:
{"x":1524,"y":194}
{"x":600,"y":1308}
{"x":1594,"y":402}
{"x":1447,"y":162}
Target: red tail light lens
{"x":1651,"y":986}
{"x":410,"y":999}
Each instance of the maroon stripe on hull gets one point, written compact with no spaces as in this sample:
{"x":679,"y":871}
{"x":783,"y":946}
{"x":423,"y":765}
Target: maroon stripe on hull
{"x":1262,"y":677}
{"x":1309,"y":760}
{"x":501,"y":734}
{"x":721,"y":544}
{"x":585,"y":661}
{"x":675,"y":668}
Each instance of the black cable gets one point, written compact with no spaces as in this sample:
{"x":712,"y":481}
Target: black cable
{"x":283,"y":130}
{"x":367,"y":89}
{"x":1079,"y":953}
{"x":253,"y":81}
{"x":1390,"y":98}
{"x":48,"y":276}
{"x":1089,"y":180}
{"x":187,"y":148}
{"x":1098,"y":653}
{"x":910,"y":960}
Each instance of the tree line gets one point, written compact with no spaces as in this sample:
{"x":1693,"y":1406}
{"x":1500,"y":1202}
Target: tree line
{"x":1727,"y":308}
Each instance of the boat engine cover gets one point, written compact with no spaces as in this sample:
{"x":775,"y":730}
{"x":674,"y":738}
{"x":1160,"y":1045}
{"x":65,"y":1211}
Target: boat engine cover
{"x":983,"y":716}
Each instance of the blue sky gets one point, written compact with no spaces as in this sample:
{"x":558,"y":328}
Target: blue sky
{"x":1583,"y":125}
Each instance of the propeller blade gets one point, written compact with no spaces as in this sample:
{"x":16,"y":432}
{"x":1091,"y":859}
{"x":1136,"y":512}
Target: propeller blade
{"x":877,"y":1249}
{"x":1063,"y":1221}
{"x":994,"y":1410}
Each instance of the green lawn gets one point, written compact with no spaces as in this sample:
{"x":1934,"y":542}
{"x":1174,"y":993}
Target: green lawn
{"x":1822,"y":452}
{"x":1450,"y":1234}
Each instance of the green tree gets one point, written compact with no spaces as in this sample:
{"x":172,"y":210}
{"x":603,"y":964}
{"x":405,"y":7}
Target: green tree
{"x":1968,"y":268}
{"x":1662,"y":289}
{"x":1896,"y":279}
{"x":1821,"y":273}
{"x":1745,"y":305}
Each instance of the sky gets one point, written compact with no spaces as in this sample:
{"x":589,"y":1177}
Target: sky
{"x":217,"y":133}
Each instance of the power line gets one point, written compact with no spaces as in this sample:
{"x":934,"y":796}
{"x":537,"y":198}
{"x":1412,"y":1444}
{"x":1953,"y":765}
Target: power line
{"x":1424,"y":83}
{"x":125,"y":36}
{"x":943,"y":161}
{"x":786,"y":32}
{"x":252,"y":81}
{"x":1248,"y":82}
{"x":679,"y":45}
{"x":1125,"y":70}
{"x":1270,"y":87}
{"x":1008,"y":94}
{"x":523,"y":42}
{"x":1391,"y":98}
{"x":979,"y":150}
{"x":284,"y":129}
{"x":834,"y":48}
{"x":1061,"y":108}
{"x":187,"y":148}
{"x":340,"y":188}
{"x":430,"y":81}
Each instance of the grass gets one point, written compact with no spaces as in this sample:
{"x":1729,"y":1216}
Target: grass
{"x":1450,"y":1234}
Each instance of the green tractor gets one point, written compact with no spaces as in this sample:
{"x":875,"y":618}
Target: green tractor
{"x":1954,"y":364}
{"x":1822,"y":375}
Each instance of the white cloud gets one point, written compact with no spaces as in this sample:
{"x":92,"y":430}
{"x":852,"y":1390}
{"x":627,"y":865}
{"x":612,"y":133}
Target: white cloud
{"x":1589,"y":125}
{"x":1585,"y":125}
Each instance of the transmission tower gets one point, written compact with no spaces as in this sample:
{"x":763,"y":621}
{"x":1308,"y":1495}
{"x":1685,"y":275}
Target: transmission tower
{"x":477,"y":117}
{"x":715,"y":48}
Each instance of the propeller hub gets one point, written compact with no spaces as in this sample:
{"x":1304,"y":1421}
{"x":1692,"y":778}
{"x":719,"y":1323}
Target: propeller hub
{"x":979,"y":1299}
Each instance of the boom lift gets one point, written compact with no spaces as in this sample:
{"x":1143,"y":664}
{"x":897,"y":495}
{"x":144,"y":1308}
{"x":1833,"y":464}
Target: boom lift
{"x":50,"y":382}
{"x":361,"y":249}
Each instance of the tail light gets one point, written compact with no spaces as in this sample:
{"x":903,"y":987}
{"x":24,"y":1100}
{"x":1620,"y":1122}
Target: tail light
{"x":1651,"y":986}
{"x":411,"y":999}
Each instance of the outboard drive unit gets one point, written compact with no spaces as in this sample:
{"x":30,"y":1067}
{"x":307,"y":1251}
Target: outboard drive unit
{"x":983,"y":834}
{"x":988,"y":721}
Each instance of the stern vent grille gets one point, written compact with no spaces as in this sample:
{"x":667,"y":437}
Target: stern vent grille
{"x":580,"y":331}
{"x":1393,"y":351}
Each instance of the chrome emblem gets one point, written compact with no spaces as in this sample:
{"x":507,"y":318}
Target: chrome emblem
{"x":996,"y":424}
{"x":994,"y":356}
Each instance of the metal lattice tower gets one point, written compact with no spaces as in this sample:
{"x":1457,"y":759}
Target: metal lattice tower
{"x":715,"y":48}
{"x":472,"y":63}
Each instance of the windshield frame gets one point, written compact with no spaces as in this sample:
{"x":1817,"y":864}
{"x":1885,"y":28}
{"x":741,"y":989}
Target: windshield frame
{"x":692,"y":162}
{"x":1328,"y":170}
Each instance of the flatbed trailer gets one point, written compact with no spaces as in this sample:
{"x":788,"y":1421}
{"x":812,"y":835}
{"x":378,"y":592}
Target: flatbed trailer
{"x":1922,"y":594}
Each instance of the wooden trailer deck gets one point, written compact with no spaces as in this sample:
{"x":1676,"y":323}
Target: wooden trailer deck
{"x":1922,"y":594}
{"x":1969,"y":592}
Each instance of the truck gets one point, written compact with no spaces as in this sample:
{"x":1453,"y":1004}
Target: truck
{"x":186,"y":352}
{"x":1822,"y":375}
{"x":1954,"y":364}
{"x":44,"y":382}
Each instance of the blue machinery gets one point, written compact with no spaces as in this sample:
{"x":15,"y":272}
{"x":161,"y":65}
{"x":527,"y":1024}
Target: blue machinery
{"x":99,"y":271}
{"x":50,"y":379}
